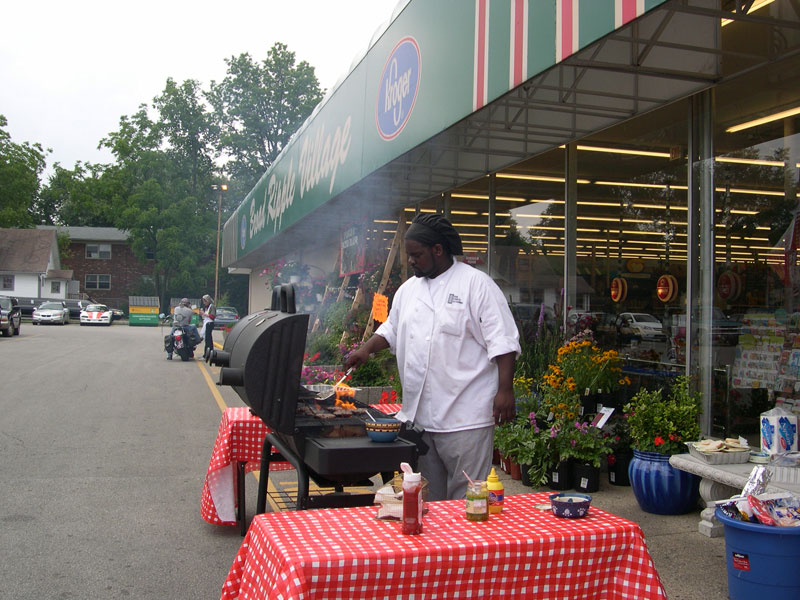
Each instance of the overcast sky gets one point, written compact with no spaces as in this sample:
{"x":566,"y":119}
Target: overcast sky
{"x":70,"y":70}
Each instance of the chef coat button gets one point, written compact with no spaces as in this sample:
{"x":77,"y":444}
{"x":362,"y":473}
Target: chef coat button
{"x":428,"y":338}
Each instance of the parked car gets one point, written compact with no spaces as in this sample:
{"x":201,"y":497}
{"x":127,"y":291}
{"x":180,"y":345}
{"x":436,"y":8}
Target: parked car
{"x":28,"y":305}
{"x":528,"y":314}
{"x":642,"y":326}
{"x":52,"y":311}
{"x":76,"y":306}
{"x":10,"y":316}
{"x":96,"y":314}
{"x":227,"y":316}
{"x":117,"y":314}
{"x":724,"y":330}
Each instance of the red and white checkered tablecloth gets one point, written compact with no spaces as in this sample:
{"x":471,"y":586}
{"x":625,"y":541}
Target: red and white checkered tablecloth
{"x":387,"y":408}
{"x":522,"y":553}
{"x":239,"y":439}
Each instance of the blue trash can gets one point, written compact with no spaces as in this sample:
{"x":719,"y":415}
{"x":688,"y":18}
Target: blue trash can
{"x":762,"y":560}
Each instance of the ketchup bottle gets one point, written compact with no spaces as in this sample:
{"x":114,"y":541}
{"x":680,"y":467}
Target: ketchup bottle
{"x":412,"y":503}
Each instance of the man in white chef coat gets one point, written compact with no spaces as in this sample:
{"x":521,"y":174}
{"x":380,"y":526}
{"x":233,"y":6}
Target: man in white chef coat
{"x":456,"y":344}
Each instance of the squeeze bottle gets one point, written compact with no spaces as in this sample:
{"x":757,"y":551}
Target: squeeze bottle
{"x":496,"y":492}
{"x":412,"y":501}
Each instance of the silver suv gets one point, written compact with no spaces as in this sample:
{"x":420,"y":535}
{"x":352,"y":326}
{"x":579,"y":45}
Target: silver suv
{"x":10,"y":316}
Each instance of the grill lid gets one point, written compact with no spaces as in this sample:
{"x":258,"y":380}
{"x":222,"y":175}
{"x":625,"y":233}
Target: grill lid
{"x":262,"y":360}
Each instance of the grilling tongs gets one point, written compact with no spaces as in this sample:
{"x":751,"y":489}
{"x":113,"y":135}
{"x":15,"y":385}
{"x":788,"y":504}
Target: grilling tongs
{"x":336,"y":385}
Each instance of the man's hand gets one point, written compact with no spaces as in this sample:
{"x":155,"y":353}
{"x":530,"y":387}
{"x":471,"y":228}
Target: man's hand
{"x":356,"y":358}
{"x":504,"y":407}
{"x":504,"y":401}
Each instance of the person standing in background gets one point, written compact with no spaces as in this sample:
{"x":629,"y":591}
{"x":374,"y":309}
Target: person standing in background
{"x":208,"y":313}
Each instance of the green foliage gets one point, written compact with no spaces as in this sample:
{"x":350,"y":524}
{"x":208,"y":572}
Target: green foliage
{"x":662,"y":423}
{"x":326,"y":344}
{"x":618,"y":432}
{"x":380,"y":370}
{"x":538,"y":352}
{"x":80,"y":197}
{"x":190,"y":131}
{"x":258,"y":107}
{"x":523,"y":442}
{"x":63,"y":246}
{"x":21,"y":165}
{"x":166,"y":157}
{"x":332,"y":316}
{"x":583,"y":367}
{"x":579,"y":441}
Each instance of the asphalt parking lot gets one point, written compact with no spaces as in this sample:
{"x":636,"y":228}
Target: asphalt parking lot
{"x":105,"y":446}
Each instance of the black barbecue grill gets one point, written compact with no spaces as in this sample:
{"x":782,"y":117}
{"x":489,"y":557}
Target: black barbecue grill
{"x":262,"y":360}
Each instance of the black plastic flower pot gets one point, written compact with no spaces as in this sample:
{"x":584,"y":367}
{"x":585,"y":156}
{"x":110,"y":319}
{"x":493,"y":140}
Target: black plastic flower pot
{"x":618,"y":468}
{"x":586,"y":478}
{"x":560,"y":476}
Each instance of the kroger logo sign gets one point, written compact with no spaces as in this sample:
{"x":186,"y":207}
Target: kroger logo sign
{"x":397,"y":90}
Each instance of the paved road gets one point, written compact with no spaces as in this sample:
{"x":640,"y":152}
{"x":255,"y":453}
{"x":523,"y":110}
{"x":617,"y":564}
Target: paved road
{"x":104,"y":448}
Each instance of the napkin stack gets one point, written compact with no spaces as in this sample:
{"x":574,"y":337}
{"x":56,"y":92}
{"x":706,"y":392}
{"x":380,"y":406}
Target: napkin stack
{"x":390,"y":503}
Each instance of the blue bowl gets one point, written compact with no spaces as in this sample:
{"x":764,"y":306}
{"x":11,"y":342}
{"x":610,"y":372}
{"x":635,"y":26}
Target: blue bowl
{"x":570,"y":505}
{"x":383,"y":430}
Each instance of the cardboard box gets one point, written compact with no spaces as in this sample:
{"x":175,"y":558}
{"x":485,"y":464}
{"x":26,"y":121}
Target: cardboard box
{"x":778,"y":433}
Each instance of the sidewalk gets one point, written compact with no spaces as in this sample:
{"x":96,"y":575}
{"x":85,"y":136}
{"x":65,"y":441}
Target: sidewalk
{"x":691,"y":566}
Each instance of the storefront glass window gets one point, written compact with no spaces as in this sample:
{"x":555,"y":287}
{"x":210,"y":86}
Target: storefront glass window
{"x":756,"y":266}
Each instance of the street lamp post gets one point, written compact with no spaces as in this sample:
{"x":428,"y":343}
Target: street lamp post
{"x":222,"y":188}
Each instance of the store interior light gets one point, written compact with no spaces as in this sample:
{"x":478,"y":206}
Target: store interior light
{"x":749,"y":161}
{"x":623,"y":151}
{"x":751,"y":192}
{"x":768,"y":119}
{"x":756,"y":5}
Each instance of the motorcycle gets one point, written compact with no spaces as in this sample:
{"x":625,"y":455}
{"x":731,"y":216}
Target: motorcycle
{"x":181,"y":342}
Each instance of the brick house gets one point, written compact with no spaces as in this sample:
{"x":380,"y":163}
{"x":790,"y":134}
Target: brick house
{"x":104,"y":267}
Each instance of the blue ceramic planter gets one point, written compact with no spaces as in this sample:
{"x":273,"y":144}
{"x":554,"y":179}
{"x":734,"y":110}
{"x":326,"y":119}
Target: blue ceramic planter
{"x":659,"y":487}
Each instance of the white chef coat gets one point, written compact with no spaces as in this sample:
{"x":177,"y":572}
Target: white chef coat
{"x":446,"y":332}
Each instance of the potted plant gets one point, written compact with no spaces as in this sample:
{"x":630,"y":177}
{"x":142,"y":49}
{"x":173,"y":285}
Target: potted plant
{"x":586,"y":370}
{"x":293,"y":271}
{"x":586,"y":446}
{"x":559,"y":474}
{"x":660,"y":424}
{"x":535,"y":453}
{"x":560,"y":405}
{"x":508,"y":442}
{"x":539,"y":350}
{"x":618,"y":433}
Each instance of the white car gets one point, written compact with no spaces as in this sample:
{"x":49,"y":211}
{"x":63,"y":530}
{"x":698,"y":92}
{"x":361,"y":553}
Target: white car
{"x":50,"y":312}
{"x":96,"y":314}
{"x":640,"y":325}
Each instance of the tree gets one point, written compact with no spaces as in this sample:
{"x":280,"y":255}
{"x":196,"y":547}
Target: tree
{"x":20,"y":168}
{"x":189,"y":130}
{"x":78,"y":197}
{"x":161,"y":186}
{"x":258,"y":108}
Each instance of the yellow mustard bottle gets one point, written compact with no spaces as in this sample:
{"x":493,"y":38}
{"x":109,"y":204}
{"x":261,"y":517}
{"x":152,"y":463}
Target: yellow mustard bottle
{"x":496,"y":492}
